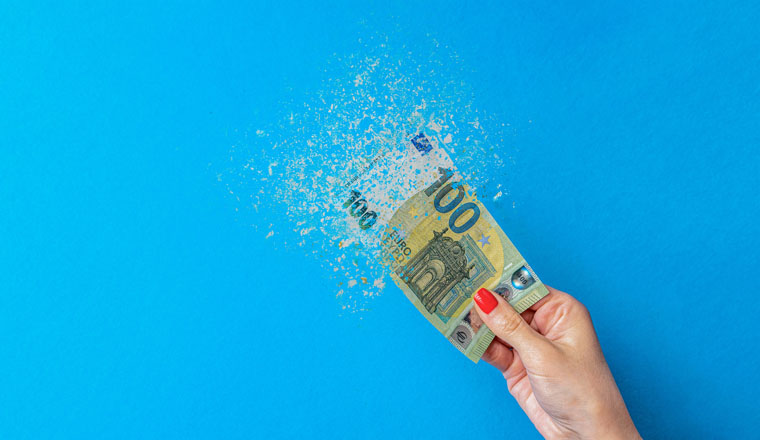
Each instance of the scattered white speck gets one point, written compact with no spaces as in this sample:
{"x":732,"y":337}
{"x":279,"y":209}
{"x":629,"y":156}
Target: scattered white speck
{"x":292,"y":172}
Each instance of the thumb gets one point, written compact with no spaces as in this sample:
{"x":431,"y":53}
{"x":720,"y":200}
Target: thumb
{"x":506,"y":323}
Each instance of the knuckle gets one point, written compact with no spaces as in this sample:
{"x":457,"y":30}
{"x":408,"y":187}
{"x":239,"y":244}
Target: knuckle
{"x":567,"y":298}
{"x":510,"y":323}
{"x":572,"y":305}
{"x":580,"y":309}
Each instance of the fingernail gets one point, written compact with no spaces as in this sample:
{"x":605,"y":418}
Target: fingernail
{"x":486,"y":301}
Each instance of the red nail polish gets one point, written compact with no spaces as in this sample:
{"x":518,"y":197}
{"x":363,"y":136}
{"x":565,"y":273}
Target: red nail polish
{"x":486,"y":301}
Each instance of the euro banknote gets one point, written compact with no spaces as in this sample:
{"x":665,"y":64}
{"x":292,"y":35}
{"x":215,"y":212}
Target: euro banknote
{"x":437,"y":239}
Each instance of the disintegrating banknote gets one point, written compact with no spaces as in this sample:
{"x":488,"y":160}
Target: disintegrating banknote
{"x":439,"y":242}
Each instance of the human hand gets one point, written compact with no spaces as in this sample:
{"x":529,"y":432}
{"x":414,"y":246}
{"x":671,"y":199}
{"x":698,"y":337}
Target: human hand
{"x":555,"y":368}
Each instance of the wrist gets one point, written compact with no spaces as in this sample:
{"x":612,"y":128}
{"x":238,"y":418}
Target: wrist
{"x":610,"y":420}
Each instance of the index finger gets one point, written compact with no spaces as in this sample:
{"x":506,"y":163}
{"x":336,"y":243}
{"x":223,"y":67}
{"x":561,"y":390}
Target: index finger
{"x":552,"y":296}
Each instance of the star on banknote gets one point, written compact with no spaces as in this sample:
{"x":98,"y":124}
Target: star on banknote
{"x":484,"y":240}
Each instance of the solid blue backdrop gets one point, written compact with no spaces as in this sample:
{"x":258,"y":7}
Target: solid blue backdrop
{"x":135,"y":302}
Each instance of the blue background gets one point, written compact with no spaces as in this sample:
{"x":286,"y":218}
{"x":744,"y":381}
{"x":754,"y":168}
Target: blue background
{"x":135,"y":303}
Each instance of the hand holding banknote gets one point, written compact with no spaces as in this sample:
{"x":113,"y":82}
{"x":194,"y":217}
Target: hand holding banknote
{"x":555,"y":368}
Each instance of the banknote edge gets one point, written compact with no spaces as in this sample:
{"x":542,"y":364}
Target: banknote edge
{"x":481,"y":345}
{"x":531,"y":298}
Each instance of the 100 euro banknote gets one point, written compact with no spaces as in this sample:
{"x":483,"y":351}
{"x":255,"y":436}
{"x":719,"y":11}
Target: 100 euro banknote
{"x":439,"y":242}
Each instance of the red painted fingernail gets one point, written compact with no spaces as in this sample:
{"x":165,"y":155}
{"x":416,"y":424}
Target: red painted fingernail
{"x":486,"y":301}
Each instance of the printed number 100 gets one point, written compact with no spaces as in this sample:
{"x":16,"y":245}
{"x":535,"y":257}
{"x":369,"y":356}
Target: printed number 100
{"x":460,"y":209}
{"x":358,"y":208}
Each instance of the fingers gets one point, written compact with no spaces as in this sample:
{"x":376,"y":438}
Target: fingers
{"x":499,"y":355}
{"x":528,"y":315}
{"x":553,"y":295}
{"x":506,"y":323}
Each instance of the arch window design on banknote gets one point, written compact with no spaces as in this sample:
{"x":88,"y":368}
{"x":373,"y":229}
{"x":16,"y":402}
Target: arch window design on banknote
{"x":436,"y":269}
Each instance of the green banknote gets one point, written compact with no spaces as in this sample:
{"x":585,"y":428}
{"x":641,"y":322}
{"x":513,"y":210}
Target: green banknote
{"x":438,"y":240}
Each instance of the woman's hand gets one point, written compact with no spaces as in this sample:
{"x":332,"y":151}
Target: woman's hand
{"x":555,"y":368}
